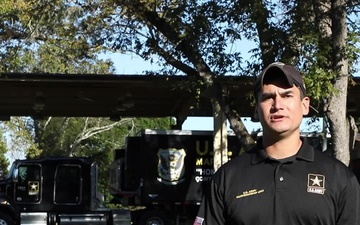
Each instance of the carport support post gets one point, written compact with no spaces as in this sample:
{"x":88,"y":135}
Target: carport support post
{"x":220,"y":137}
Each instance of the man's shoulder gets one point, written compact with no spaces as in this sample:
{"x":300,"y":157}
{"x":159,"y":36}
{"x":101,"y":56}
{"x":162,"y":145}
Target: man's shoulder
{"x":329,"y":162}
{"x":237,"y":162}
{"x":243,"y":157}
{"x":327,"y":157}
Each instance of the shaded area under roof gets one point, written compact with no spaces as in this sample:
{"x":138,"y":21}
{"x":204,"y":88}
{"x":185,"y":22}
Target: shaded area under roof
{"x":42,"y":95}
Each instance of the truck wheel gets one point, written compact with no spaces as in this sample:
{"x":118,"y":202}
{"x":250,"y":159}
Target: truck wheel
{"x":5,"y":219}
{"x":154,"y":217}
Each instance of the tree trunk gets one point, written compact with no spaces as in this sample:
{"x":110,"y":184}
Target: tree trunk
{"x":220,"y":137}
{"x":336,"y":107}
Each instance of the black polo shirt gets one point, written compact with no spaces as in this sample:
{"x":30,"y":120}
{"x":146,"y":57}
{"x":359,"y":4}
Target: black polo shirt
{"x":310,"y":188}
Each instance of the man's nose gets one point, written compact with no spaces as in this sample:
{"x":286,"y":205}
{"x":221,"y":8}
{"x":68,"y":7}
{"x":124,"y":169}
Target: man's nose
{"x":278,"y":102}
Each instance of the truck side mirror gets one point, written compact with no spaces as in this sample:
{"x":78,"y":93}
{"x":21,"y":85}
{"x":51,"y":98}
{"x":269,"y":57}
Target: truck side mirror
{"x":15,"y":175}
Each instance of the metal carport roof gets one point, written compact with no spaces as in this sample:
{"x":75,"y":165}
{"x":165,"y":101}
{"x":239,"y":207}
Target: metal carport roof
{"x":74,"y":95}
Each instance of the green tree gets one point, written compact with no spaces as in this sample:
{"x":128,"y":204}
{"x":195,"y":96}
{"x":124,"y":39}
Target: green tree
{"x":41,"y":37}
{"x":4,"y":162}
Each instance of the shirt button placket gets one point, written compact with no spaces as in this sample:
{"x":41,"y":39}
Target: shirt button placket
{"x":279,"y":177}
{"x":279,"y":185}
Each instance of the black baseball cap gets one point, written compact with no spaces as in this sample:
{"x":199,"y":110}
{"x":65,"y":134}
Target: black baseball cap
{"x":291,"y":74}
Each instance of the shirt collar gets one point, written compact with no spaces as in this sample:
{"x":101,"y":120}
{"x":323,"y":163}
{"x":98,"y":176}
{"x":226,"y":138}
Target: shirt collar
{"x":306,"y":152}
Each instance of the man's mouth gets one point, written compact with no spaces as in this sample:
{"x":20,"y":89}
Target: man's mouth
{"x":277,"y":117}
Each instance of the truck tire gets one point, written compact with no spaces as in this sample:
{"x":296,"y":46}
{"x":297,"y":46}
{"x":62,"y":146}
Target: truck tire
{"x":5,"y":219}
{"x":155,"y":217}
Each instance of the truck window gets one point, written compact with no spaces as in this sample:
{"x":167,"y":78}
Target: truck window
{"x":29,"y":172}
{"x":68,"y":184}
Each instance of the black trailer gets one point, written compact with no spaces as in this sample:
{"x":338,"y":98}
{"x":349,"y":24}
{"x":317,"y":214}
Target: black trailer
{"x":165,"y":173}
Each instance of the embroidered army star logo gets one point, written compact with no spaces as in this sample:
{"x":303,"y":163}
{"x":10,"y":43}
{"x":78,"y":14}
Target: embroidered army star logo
{"x":316,"y":184}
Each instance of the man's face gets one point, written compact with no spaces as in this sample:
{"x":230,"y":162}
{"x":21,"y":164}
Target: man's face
{"x":280,"y":108}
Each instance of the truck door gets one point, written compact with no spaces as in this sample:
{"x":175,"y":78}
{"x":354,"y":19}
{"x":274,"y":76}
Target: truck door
{"x":28,"y":188}
{"x":68,"y":184}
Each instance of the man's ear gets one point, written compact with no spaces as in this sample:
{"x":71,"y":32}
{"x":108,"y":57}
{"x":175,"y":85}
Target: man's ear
{"x":306,"y":105}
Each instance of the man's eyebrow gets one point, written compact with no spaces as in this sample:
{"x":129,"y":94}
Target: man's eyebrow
{"x":271,"y":94}
{"x":287,"y":91}
{"x":267,"y":95}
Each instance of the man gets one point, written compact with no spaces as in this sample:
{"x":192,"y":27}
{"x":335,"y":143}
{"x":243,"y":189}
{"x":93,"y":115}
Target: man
{"x":283,"y":180}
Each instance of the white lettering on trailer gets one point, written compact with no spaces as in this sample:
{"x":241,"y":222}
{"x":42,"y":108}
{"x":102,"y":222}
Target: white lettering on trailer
{"x":203,"y":174}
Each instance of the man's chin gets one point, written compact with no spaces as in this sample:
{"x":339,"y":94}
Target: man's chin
{"x":281,"y":131}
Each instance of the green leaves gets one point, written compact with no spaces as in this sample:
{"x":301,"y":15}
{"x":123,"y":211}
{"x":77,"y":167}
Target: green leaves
{"x":4,"y":162}
{"x":319,"y":83}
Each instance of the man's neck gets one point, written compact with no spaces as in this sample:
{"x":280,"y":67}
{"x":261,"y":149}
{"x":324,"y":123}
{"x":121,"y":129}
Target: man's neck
{"x":280,"y":148}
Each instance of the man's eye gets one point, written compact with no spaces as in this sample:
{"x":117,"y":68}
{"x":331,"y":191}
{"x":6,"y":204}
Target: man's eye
{"x":267,"y":98}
